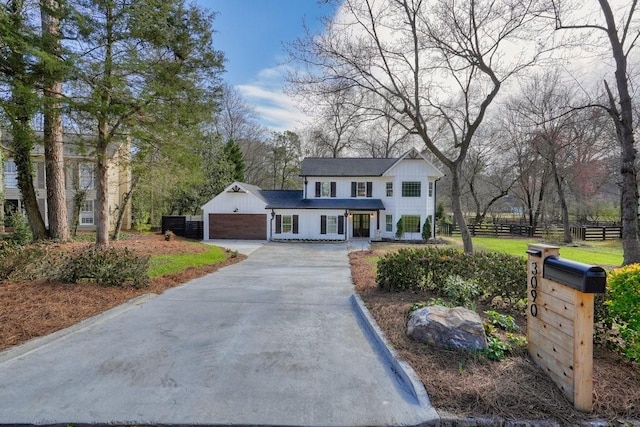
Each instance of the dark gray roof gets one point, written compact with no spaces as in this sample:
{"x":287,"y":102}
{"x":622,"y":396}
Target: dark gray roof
{"x":345,"y":166}
{"x":292,"y":199}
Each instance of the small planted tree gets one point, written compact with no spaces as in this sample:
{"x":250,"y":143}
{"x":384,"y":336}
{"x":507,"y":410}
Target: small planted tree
{"x":426,"y":229}
{"x":399,"y":229}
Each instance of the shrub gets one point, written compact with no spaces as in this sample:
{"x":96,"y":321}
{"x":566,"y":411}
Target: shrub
{"x":502,"y":321}
{"x":426,"y":229}
{"x":462,"y":292}
{"x":623,"y":303}
{"x":399,"y":229}
{"x":21,"y":231}
{"x":28,"y":262}
{"x":107,"y":267}
{"x":427,"y":268}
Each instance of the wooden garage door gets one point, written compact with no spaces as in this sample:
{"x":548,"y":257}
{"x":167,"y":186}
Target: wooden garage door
{"x":238,"y":226}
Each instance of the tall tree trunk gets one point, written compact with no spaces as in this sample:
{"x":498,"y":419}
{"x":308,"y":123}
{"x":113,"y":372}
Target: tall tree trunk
{"x":21,"y":110}
{"x":624,"y":126}
{"x":101,"y":209}
{"x":122,"y":209}
{"x":566,"y":227}
{"x":53,"y":142}
{"x":1,"y":189}
{"x":458,"y":215}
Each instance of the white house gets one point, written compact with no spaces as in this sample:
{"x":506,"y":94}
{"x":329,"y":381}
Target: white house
{"x":342,"y":198}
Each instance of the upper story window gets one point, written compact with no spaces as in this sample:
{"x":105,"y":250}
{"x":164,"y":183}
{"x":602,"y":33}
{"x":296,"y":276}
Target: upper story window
{"x":431,"y":189}
{"x":362,"y":189}
{"x":389,"y":189}
{"x":411,"y":188}
{"x":326,"y":189}
{"x":10,"y":174}
{"x":86,"y":176}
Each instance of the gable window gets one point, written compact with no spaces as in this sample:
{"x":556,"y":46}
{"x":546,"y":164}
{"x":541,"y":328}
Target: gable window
{"x":331,"y":224}
{"x":361,"y":189}
{"x":411,"y":188}
{"x":389,"y":189}
{"x":86,"y":176}
{"x":389,"y":223}
{"x":86,"y":213}
{"x":411,"y":223}
{"x":10,"y":174}
{"x":326,"y":189}
{"x":286,"y":224}
{"x":431,"y":189}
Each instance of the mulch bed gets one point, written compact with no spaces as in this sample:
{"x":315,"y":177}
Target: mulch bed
{"x":30,"y":309}
{"x":469,"y":385}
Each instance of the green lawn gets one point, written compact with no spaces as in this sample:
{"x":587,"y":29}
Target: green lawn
{"x":608,"y":253}
{"x":159,"y":265}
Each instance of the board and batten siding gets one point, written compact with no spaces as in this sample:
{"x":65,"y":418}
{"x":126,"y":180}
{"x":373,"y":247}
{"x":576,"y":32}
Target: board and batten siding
{"x":309,"y":224}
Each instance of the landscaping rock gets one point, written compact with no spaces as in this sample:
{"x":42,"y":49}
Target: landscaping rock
{"x":447,"y":328}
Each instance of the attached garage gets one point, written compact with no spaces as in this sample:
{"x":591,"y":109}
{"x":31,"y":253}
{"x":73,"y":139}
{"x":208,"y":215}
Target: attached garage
{"x":238,"y":226}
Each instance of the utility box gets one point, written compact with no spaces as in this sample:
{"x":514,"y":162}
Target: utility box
{"x":560,"y":296}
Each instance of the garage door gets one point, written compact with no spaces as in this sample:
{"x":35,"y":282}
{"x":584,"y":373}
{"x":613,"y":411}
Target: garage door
{"x":238,"y":226}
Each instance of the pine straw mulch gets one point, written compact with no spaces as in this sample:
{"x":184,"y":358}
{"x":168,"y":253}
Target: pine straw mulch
{"x":30,"y":309}
{"x":468,"y":385}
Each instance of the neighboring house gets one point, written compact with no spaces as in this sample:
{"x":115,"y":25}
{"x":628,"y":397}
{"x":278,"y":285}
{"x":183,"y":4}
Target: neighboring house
{"x":80,"y":178}
{"x":342,"y":198}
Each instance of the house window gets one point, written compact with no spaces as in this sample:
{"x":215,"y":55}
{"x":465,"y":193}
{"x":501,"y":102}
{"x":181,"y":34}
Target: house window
{"x":326,"y":189}
{"x":411,"y":189}
{"x":431,"y":189}
{"x":362,"y":189}
{"x":86,"y":176}
{"x":86,"y":213}
{"x":411,"y":223}
{"x":10,"y":174}
{"x":331,"y":224}
{"x":389,"y":189}
{"x":286,"y":224}
{"x":389,"y":223}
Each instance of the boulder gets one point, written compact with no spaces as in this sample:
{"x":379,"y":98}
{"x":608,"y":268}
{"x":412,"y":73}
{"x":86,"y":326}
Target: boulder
{"x":447,"y":328}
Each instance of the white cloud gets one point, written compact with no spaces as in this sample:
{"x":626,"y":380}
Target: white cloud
{"x":274,"y":108}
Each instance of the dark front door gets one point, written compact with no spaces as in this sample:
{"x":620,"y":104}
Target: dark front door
{"x":361,"y":224}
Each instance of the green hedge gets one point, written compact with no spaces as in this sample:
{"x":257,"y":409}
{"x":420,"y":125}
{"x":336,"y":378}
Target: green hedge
{"x":623,"y":304}
{"x":428,"y":268}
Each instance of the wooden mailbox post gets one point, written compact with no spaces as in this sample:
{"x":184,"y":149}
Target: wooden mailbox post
{"x":560,"y":320}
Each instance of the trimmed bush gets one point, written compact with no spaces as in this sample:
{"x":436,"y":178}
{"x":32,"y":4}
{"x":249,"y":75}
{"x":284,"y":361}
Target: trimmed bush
{"x":28,"y":262}
{"x":427,"y":269}
{"x":107,"y":267}
{"x":623,"y":303}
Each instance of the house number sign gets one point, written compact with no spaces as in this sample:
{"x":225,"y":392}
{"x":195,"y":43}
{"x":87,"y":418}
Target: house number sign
{"x":533,"y":309}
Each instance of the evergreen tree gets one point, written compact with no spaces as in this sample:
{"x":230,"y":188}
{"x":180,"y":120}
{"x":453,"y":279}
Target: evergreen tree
{"x":233,"y":155}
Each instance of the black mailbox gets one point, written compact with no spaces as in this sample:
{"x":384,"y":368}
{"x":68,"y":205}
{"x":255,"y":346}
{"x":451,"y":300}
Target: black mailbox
{"x":583,"y":277}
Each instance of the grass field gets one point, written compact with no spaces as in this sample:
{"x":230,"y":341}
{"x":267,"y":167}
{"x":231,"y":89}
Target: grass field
{"x":160,"y":265}
{"x":607,"y":253}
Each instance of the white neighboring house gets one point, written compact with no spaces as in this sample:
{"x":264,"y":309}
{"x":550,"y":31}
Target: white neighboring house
{"x":342,"y":198}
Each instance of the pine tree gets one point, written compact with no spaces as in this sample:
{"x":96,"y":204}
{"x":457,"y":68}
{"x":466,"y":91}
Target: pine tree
{"x":233,"y":155}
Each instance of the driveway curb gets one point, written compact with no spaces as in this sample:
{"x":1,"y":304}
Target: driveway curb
{"x":39,"y":342}
{"x":402,"y":369}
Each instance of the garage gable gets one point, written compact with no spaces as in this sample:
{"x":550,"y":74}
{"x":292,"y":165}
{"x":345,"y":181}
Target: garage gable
{"x":237,"y":198}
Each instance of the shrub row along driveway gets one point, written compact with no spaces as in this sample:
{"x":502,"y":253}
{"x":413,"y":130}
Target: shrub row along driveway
{"x":272,"y":340}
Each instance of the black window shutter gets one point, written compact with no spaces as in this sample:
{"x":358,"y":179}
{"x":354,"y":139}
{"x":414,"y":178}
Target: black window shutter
{"x":318,"y":185}
{"x":354,"y":188}
{"x":340,"y":224}
{"x":333,"y":189}
{"x":323,"y":224}
{"x":295,"y":224}
{"x":369,"y":188}
{"x":278,"y":224}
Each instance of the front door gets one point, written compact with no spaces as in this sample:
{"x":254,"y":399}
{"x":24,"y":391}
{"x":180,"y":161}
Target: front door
{"x":361,"y":223}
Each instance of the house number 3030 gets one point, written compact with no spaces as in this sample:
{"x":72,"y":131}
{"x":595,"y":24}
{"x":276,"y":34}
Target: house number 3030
{"x":534,"y":285}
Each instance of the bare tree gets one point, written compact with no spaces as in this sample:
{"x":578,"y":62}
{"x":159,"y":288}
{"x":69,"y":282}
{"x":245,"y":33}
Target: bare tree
{"x":620,"y":29}
{"x":438,"y":65}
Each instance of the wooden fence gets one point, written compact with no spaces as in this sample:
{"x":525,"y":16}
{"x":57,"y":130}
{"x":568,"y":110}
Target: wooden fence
{"x":183,"y":226}
{"x":509,"y":230}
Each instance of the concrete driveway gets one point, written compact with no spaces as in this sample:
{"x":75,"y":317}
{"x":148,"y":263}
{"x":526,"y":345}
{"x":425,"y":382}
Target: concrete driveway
{"x":273,"y":340}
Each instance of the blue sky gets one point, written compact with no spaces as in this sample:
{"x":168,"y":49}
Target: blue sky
{"x":252,"y":35}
